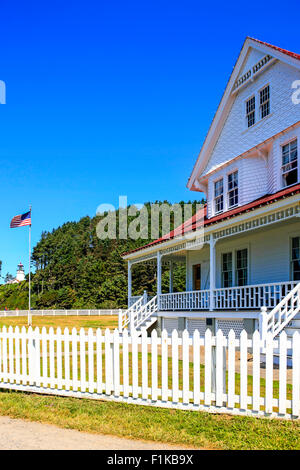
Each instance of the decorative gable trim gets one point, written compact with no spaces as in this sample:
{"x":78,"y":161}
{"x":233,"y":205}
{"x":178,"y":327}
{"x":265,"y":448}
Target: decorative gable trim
{"x":252,"y":73}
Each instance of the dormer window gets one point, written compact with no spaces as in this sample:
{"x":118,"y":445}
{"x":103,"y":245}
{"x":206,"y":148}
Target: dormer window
{"x":264,"y":100}
{"x":290,"y":163}
{"x":233,"y":191}
{"x":250,"y":111}
{"x":219,"y":199}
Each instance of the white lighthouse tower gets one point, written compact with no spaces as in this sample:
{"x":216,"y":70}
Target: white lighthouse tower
{"x":20,"y":273}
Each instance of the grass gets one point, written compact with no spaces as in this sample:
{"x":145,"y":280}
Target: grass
{"x":103,"y":321}
{"x":192,"y":429}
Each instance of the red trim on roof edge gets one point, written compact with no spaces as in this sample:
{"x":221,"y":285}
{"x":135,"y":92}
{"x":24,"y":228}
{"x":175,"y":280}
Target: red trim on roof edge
{"x":196,"y":221}
{"x":279,"y":49}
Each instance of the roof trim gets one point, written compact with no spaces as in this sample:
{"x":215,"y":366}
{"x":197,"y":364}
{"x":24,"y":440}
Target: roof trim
{"x":195,"y":222}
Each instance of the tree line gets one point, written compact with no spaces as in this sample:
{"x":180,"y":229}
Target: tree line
{"x":73,"y":268}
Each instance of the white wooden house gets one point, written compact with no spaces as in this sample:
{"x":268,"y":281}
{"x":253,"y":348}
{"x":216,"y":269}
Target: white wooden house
{"x":246,"y":272}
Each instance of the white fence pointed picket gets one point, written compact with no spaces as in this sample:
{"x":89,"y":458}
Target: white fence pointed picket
{"x":164,"y":365}
{"x":37,"y":358}
{"x":4,"y":355}
{"x":125,"y":364}
{"x":135,"y":371}
{"x":91,"y":360}
{"x":116,"y":362}
{"x":99,"y":341}
{"x":108,"y":364}
{"x":24,"y":355}
{"x":82,"y":360}
{"x":269,"y":374}
{"x":154,"y":366}
{"x":17,"y":354}
{"x":256,"y":371}
{"x":67,"y":358}
{"x":196,"y":367}
{"x":74,"y":360}
{"x":243,"y":370}
{"x":10,"y":355}
{"x":219,"y":368}
{"x":185,"y":367}
{"x":45,"y":380}
{"x":59,"y":358}
{"x":231,"y":369}
{"x":31,"y":356}
{"x":282,"y":372}
{"x":144,"y":365}
{"x":51,"y":358}
{"x":175,"y":378}
{"x":295,"y":375}
{"x":208,"y":368}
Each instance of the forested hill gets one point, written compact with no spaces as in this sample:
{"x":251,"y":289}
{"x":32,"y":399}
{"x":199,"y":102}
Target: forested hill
{"x":75,"y":269}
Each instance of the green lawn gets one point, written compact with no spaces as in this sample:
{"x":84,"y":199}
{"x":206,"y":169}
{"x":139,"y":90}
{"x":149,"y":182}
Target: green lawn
{"x":190,"y":428}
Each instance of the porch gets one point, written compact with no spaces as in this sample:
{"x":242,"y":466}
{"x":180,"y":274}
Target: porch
{"x":249,"y":297}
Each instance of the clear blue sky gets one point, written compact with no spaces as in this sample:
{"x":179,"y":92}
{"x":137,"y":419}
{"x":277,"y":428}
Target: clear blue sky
{"x":109,"y":98}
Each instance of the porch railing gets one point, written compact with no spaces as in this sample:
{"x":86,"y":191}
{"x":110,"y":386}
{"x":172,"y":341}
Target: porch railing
{"x":242,"y":297}
{"x":253,"y":296}
{"x":193,"y":300}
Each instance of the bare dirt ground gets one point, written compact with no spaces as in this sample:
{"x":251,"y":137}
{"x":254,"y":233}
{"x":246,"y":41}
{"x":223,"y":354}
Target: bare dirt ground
{"x":16,"y":434}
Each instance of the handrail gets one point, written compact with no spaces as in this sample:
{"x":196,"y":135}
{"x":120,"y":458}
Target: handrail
{"x":144,"y":313}
{"x":125,"y":317}
{"x":282,"y":314}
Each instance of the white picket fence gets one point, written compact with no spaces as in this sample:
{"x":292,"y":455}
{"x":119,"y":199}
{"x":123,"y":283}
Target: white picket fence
{"x":61,"y":312}
{"x":210,"y":373}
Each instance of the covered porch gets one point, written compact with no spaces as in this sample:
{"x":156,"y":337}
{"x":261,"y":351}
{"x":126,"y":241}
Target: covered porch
{"x":239,"y":267}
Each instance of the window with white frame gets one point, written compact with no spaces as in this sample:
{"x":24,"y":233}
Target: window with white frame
{"x":227,"y":269}
{"x":250,"y":111}
{"x":290,"y":163}
{"x":219,"y":199}
{"x":264,"y":102}
{"x":295,"y":258}
{"x":241,"y":267}
{"x":233,"y":191}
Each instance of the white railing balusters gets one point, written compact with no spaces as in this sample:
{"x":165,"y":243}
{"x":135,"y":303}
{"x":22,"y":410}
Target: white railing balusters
{"x":274,"y":321}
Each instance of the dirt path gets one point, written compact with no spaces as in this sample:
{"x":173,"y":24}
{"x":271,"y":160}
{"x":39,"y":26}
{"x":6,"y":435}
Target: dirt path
{"x":16,"y":434}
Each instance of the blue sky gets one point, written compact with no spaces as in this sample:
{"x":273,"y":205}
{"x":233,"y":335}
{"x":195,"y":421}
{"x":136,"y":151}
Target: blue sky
{"x":113,"y":98}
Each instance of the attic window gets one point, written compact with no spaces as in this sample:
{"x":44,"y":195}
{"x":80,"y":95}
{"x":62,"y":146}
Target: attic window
{"x":250,"y":111}
{"x":264,"y":99}
{"x":219,"y":200}
{"x":290,"y":163}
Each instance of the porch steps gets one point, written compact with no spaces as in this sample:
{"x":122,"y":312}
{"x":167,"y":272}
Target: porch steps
{"x":148,"y":323}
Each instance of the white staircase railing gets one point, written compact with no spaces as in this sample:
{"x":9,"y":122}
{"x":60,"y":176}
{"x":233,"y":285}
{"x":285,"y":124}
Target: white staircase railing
{"x":125,"y":317}
{"x":144,"y":313}
{"x":274,"y":321}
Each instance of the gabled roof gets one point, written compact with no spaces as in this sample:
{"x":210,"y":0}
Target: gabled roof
{"x":221,"y":114}
{"x":197,"y":220}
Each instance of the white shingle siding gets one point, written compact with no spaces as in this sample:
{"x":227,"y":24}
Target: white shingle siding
{"x":257,"y":176}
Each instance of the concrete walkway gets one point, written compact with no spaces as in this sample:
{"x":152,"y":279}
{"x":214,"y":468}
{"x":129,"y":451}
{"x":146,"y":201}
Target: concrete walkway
{"x":16,"y":434}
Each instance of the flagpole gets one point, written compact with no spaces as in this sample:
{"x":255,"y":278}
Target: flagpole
{"x":29,"y":297}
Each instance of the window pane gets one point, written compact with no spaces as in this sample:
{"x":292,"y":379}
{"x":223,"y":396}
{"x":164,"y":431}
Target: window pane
{"x":242,"y":267}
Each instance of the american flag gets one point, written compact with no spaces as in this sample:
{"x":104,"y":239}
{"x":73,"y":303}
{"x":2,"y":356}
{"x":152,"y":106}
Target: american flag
{"x":21,"y":220}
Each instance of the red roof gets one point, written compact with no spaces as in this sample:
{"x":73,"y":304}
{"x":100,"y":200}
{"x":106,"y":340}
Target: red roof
{"x":200,"y":219}
{"x":279,"y":49}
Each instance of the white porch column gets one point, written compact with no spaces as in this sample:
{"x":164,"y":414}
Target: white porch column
{"x":129,"y":282}
{"x":171,"y":277}
{"x":158,"y":277}
{"x":212,"y":272}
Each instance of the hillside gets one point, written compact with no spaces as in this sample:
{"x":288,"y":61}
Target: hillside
{"x":75,"y":269}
